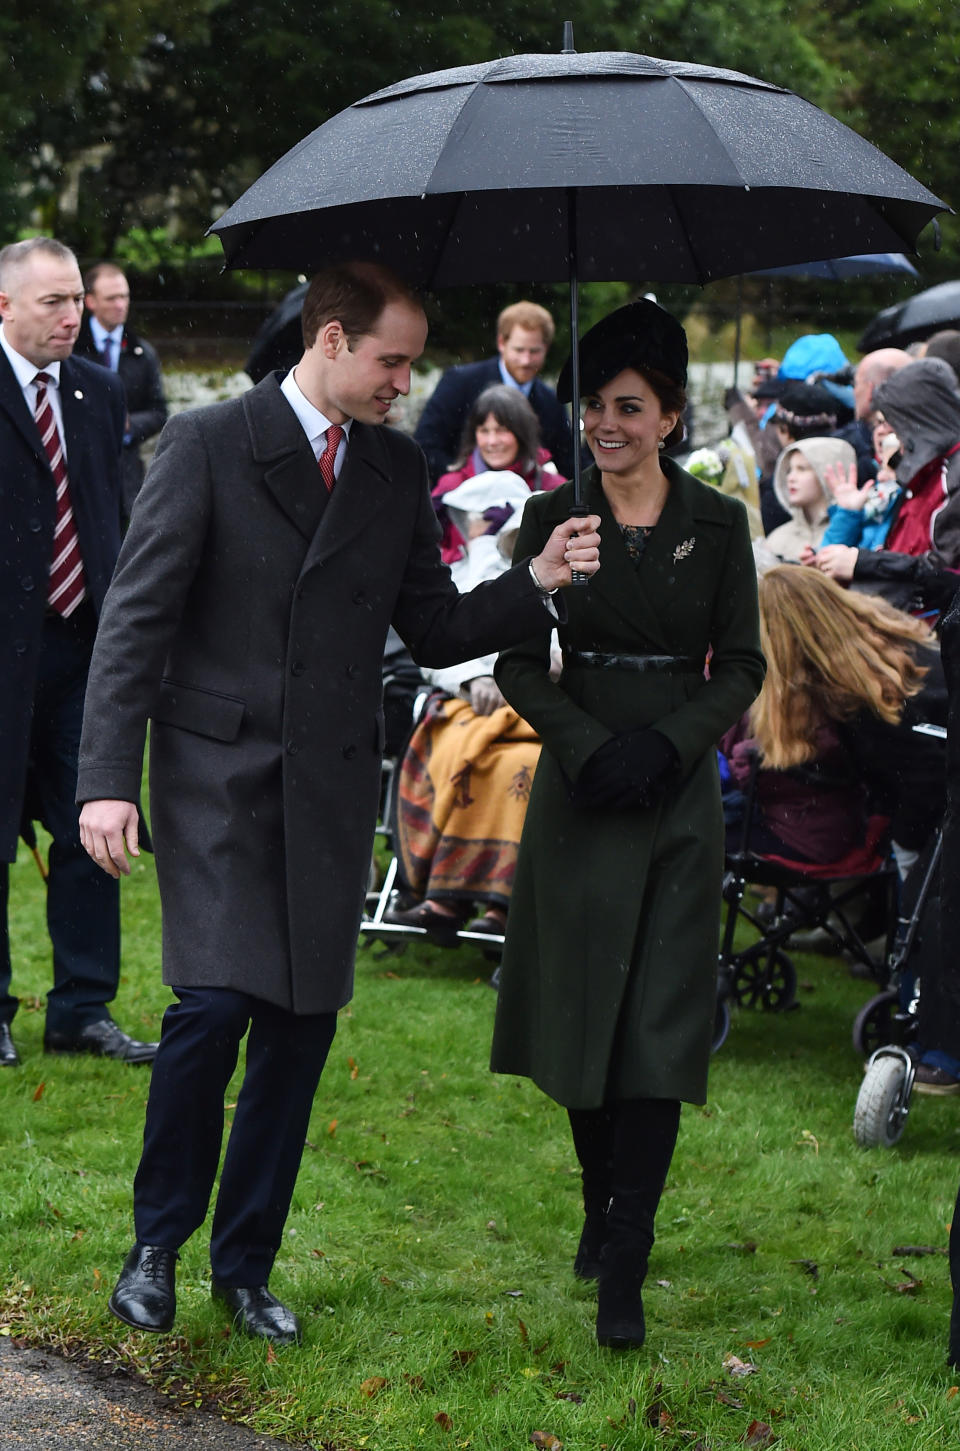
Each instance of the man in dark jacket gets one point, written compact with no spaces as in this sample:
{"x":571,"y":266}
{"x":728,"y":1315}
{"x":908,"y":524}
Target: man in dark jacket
{"x":524,"y":334}
{"x":105,"y":337}
{"x":277,"y":537}
{"x":61,"y":422}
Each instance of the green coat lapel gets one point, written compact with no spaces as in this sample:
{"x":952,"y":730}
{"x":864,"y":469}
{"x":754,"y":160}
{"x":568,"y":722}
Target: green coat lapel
{"x":646,"y":596}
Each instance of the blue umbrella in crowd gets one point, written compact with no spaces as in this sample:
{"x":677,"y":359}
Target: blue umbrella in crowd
{"x":838,"y":269}
{"x":600,"y":166}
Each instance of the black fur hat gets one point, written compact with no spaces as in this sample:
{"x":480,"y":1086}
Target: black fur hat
{"x":636,"y":336}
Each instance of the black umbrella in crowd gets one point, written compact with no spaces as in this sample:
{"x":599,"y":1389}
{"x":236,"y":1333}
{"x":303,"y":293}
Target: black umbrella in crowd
{"x":599,"y":166}
{"x":911,"y":321}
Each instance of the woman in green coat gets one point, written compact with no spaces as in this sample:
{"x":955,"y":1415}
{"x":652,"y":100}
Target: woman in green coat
{"x":608,"y":984}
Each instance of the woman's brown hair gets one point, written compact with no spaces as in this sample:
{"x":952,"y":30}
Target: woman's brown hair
{"x":830,"y":653}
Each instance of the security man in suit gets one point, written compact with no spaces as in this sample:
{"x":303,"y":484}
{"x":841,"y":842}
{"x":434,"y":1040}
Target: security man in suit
{"x":61,"y":425}
{"x":524,"y":334}
{"x":106,"y":338}
{"x":276,"y":538}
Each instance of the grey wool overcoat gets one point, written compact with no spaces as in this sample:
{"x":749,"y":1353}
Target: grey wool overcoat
{"x":247,"y":617}
{"x":609,"y":973}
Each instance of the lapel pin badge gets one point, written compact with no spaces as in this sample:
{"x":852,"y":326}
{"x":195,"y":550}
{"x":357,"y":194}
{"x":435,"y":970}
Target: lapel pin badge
{"x":684,"y":550}
{"x":77,"y":393}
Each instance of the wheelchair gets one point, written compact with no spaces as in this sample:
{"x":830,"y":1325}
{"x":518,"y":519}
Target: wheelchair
{"x":808,"y":897}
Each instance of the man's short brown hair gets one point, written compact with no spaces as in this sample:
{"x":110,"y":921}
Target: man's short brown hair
{"x":529,"y":315}
{"x":99,"y":269}
{"x":354,"y":294}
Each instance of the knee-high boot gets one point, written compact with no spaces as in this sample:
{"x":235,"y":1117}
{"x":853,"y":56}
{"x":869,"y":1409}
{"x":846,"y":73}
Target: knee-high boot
{"x":593,"y":1140}
{"x":644,"y":1136}
{"x":953,"y":1348}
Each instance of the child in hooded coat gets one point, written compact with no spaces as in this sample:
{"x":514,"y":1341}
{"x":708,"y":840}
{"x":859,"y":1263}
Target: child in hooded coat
{"x":801,"y":485}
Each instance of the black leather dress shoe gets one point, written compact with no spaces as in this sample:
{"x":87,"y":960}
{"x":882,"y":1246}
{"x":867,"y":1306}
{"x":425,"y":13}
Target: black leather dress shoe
{"x":9,"y":1057}
{"x":257,"y":1312}
{"x":145,"y":1294}
{"x":105,"y":1040}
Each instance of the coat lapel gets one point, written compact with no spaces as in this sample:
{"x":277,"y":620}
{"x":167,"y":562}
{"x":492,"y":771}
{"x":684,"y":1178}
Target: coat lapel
{"x":360,"y":492}
{"x":290,"y":472}
{"x":13,"y":403}
{"x":645,"y":595}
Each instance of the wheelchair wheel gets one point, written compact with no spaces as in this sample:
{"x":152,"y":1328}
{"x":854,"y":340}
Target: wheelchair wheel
{"x":721,"y":1025}
{"x":764,"y":979}
{"x":883,"y":1102}
{"x":881,"y":1021}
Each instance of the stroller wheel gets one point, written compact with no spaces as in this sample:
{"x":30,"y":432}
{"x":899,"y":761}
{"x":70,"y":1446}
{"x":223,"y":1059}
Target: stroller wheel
{"x":764,"y":979}
{"x":883,"y":1101}
{"x":881,"y":1021}
{"x":721,"y":1025}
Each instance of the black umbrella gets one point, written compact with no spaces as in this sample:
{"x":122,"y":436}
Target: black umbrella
{"x":909,"y":322}
{"x":598,"y":166}
{"x":279,"y":341}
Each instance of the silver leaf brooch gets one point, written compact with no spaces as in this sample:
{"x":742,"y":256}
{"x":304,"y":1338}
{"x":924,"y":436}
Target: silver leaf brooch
{"x":684,"y":550}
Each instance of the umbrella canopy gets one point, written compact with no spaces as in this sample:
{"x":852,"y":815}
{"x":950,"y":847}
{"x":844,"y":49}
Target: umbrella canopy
{"x":909,"y":322}
{"x":619,"y":166}
{"x":838,"y":269}
{"x":279,"y":341}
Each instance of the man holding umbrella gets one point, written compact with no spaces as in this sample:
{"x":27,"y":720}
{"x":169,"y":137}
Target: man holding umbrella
{"x":276,"y":538}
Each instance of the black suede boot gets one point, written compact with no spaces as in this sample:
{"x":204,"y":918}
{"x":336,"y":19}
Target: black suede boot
{"x":623,"y":1269}
{"x":644,"y":1136}
{"x":593,"y":1140}
{"x":953,"y":1348}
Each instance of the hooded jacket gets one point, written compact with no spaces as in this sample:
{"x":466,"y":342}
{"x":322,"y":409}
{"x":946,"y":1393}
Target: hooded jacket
{"x":921,"y":402}
{"x":786,"y":544}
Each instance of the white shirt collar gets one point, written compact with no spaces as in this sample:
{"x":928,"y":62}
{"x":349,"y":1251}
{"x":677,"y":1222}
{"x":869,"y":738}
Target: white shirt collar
{"x":311,"y":420}
{"x":26,"y":371}
{"x":99,"y":333}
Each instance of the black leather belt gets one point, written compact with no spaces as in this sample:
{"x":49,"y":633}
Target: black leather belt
{"x":600,"y":660}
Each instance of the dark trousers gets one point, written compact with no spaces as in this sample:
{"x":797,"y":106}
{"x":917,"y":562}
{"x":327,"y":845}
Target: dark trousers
{"x":199,"y":1047}
{"x":83,"y":903}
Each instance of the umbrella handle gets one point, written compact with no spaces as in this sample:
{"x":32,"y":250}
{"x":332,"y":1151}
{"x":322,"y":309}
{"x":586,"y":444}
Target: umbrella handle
{"x":577,"y":576}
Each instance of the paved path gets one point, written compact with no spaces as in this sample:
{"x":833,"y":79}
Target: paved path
{"x":51,"y":1404}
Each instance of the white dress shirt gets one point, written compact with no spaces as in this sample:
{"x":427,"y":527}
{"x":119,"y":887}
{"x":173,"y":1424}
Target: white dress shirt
{"x":313,"y":422}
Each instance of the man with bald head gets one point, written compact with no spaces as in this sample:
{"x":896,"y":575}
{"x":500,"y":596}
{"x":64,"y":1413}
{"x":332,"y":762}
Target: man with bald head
{"x":61,"y":427}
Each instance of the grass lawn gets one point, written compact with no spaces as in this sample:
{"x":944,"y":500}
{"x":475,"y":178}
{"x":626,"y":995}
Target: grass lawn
{"x":430,"y":1244}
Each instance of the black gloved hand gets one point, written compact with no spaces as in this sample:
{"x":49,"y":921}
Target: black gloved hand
{"x":631,"y":770}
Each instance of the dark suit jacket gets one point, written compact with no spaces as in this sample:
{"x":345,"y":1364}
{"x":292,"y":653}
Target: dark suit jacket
{"x":93,"y":413}
{"x":248,"y":616}
{"x":138,"y":368}
{"x":442,"y":421}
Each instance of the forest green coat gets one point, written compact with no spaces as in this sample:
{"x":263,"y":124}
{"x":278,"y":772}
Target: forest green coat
{"x":609,"y":971}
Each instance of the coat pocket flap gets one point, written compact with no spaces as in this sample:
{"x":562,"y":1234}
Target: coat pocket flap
{"x":204,"y":711}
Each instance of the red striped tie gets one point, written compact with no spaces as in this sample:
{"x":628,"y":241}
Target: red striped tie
{"x":328,"y":457}
{"x":67,"y":586}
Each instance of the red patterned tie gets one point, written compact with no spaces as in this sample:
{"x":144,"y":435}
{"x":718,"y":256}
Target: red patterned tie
{"x":66,"y":587}
{"x":327,"y":458}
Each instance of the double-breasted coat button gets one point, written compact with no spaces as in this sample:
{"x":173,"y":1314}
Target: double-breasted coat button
{"x":358,"y":597}
{"x":34,"y":525}
{"x":350,"y":671}
{"x":26,"y":583}
{"x":292,"y":748}
{"x":349,"y":752}
{"x":297,"y":668}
